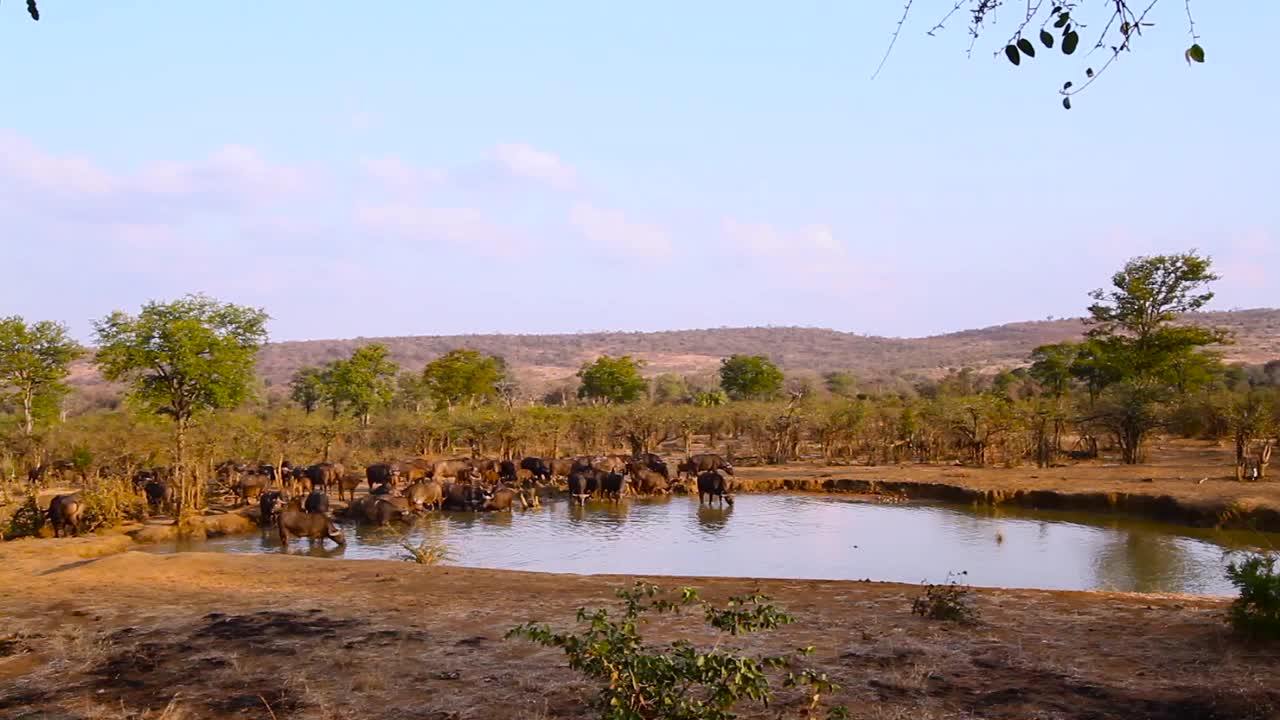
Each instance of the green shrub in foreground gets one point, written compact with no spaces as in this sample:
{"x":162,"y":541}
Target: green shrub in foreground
{"x":679,"y":681}
{"x":1256,"y":612}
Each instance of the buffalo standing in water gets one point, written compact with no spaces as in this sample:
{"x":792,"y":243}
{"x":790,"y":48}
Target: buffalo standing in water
{"x":308,"y":525}
{"x":713,"y":485}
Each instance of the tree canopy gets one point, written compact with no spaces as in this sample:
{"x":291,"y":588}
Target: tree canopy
{"x":612,"y":380}
{"x":307,"y":388}
{"x":463,"y":377}
{"x":363,"y":382}
{"x":750,"y":377}
{"x":34,"y":360}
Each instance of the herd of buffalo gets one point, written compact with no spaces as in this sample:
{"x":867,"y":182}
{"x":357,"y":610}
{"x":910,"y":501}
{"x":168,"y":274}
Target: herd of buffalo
{"x":295,"y":498}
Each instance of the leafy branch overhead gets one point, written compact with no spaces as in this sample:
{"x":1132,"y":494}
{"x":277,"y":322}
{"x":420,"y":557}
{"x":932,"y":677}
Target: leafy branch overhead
{"x":1060,"y":26}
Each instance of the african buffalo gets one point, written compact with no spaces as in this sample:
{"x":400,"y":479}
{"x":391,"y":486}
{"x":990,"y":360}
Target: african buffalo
{"x":308,"y":525}
{"x":562,"y":467}
{"x":647,"y":481}
{"x":539,"y":467}
{"x":449,"y":468}
{"x":612,"y":485}
{"x":382,"y":474}
{"x":581,"y":486}
{"x":347,"y":484}
{"x":324,"y":474}
{"x":425,"y":494}
{"x":713,"y":485}
{"x":65,"y":512}
{"x":464,"y":496}
{"x":270,"y":504}
{"x":159,"y":494}
{"x":507,"y":471}
{"x":317,"y":502}
{"x":710,"y":462}
{"x":502,"y":498}
{"x":249,"y":486}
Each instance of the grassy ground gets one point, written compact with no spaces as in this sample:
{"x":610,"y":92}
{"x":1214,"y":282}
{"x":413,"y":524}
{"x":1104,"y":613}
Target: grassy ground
{"x":89,"y":632}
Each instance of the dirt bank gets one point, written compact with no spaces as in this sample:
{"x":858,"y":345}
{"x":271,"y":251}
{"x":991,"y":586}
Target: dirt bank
{"x":129,"y":635}
{"x":1187,"y":483}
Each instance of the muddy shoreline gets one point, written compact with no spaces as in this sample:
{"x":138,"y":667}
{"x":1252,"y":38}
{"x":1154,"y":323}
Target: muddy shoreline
{"x":93,"y":631}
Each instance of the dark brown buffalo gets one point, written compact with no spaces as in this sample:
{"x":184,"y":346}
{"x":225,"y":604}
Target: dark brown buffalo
{"x":464,"y":496}
{"x":386,"y":510}
{"x":159,"y":494}
{"x":323,"y":475}
{"x":653,"y":462}
{"x":485,"y":465}
{"x":65,"y":512}
{"x":581,"y":486}
{"x":612,"y":485}
{"x":425,"y":494}
{"x":647,"y":481}
{"x":710,"y":462}
{"x":539,"y":467}
{"x":308,"y":525}
{"x":686,"y":468}
{"x":382,"y":474}
{"x":416,"y":469}
{"x":317,"y":502}
{"x":270,"y":505}
{"x":713,"y":486}
{"x":507,"y":471}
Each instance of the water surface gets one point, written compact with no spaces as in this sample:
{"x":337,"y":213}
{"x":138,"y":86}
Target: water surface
{"x":810,"y":536}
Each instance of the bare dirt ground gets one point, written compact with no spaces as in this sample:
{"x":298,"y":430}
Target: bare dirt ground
{"x":87,"y":631}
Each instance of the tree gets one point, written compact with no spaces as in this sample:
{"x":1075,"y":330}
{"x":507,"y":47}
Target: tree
{"x":840,"y":383}
{"x":612,"y":380}
{"x":463,"y":377}
{"x":411,"y":391}
{"x":750,"y":377}
{"x":180,"y":359}
{"x":365,"y":381}
{"x":307,"y":388}
{"x":1136,"y":358}
{"x":34,"y":360}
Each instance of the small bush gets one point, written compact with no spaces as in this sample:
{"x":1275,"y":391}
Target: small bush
{"x":27,"y":520}
{"x":1256,"y":612}
{"x":429,"y":551}
{"x":949,"y":601}
{"x":679,"y":681}
{"x":112,"y":502}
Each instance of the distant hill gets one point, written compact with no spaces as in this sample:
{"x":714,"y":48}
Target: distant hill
{"x":540,"y":360}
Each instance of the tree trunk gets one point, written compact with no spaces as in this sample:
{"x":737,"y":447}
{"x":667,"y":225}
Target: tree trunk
{"x":28,"y":422}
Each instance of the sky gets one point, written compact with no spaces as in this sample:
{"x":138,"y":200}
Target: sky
{"x":424,"y":168}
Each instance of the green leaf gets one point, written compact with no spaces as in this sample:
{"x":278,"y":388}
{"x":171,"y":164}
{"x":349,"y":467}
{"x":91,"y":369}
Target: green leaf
{"x":1026,"y":47}
{"x":1066,"y":103}
{"x":1088,"y":72}
{"x":1011,"y":52}
{"x":1070,"y":42}
{"x":1066,"y":85}
{"x":1063,"y":19}
{"x":1046,"y":37}
{"x":1195,"y":53}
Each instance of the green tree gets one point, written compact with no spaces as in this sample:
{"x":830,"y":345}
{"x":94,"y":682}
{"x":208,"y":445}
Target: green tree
{"x":180,"y":359}
{"x":412,"y":392}
{"x":612,"y":380}
{"x":34,"y":360}
{"x":1137,"y":356}
{"x":463,"y":377}
{"x":750,"y":377}
{"x":307,"y":388}
{"x":363,"y":382}
{"x":1051,"y":366}
{"x":840,"y":383}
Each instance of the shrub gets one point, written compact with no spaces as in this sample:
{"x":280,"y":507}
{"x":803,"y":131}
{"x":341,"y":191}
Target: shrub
{"x":949,"y":601}
{"x":1256,"y":612}
{"x":27,"y":520}
{"x":678,"y":681}
{"x":429,"y":551}
{"x":111,"y":502}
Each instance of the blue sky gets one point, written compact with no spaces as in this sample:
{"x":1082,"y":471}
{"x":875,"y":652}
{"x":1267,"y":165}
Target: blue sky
{"x":398,"y":168}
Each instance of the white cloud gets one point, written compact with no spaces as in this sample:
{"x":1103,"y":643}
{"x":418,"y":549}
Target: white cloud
{"x":809,"y":258}
{"x":400,"y":177}
{"x":612,"y":231}
{"x":466,"y":228}
{"x":527,"y":162}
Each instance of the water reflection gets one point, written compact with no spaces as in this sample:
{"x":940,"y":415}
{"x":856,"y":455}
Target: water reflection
{"x":793,"y":536}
